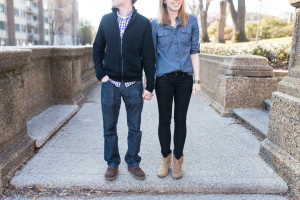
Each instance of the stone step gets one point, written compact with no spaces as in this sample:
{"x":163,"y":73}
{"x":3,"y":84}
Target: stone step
{"x":42,"y":126}
{"x":162,"y":197}
{"x":256,"y":119}
{"x":268,"y":104}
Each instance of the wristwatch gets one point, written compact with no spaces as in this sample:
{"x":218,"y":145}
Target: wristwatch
{"x":197,"y":81}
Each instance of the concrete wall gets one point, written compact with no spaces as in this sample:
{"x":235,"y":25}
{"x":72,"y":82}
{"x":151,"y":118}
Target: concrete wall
{"x":31,"y":80}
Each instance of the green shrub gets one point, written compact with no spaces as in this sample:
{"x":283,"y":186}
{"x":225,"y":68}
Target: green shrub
{"x":284,"y":31}
{"x":272,"y":27}
{"x":228,"y":32}
{"x":212,"y":29}
{"x":251,"y":29}
{"x":277,"y":54}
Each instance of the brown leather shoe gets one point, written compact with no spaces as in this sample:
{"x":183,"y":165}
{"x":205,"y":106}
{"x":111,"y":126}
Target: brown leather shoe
{"x":137,"y":172}
{"x":111,"y":173}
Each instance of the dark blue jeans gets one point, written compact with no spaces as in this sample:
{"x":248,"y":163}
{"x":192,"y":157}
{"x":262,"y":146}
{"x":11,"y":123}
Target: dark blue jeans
{"x":178,"y":87}
{"x":111,"y":103}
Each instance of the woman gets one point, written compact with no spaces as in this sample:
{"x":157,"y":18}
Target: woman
{"x":176,"y":41}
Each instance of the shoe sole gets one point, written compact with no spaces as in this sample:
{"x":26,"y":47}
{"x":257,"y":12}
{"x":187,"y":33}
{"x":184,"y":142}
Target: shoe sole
{"x":177,"y":177}
{"x":110,"y":179}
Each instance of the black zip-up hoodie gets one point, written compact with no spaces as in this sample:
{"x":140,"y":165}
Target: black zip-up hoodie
{"x":124,"y":60}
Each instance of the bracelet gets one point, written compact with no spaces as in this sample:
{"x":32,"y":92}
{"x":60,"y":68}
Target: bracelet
{"x":197,"y":81}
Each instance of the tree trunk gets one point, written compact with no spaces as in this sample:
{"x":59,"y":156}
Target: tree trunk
{"x":241,"y":20}
{"x":203,"y":17}
{"x":221,"y":24}
{"x":238,"y":20}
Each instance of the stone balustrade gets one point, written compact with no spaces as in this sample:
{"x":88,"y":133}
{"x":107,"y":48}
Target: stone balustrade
{"x":31,"y":80}
{"x":281,"y":148}
{"x":241,"y":81}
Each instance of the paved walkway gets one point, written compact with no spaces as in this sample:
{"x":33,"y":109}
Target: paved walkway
{"x":221,"y":157}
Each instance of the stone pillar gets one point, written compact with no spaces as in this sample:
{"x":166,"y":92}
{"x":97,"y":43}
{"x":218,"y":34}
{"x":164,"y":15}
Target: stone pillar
{"x":281,"y":149}
{"x":244,"y":82}
{"x":66,"y":75}
{"x":16,"y":147}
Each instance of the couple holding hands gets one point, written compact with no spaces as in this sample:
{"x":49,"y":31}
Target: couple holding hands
{"x":167,"y":50}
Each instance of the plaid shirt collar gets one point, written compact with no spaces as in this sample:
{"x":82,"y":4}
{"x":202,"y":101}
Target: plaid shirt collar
{"x":124,"y":18}
{"x":123,"y":22}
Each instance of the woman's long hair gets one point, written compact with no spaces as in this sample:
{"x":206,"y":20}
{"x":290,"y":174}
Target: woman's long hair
{"x":163,"y":16}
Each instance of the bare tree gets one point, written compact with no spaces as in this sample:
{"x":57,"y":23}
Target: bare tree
{"x":59,"y":21}
{"x":86,"y":32}
{"x":203,"y":14}
{"x":192,"y":5}
{"x":238,"y":20}
{"x":221,"y":22}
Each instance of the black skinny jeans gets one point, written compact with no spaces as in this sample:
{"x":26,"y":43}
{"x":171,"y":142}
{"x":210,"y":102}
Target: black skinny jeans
{"x":177,"y":86}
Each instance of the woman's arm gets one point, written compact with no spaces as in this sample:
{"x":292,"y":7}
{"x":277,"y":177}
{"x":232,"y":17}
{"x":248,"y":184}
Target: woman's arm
{"x":196,"y":65}
{"x":196,"y":68}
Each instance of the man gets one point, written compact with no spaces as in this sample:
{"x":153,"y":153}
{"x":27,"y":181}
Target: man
{"x":122,"y":49}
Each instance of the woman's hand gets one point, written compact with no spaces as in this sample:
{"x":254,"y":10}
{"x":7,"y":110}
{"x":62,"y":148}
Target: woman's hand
{"x":196,"y":88}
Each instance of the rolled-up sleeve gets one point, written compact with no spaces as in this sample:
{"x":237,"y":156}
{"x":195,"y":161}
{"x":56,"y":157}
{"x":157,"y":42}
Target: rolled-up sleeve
{"x":195,"y":37}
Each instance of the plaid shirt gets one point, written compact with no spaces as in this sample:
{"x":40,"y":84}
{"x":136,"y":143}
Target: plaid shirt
{"x":123,"y":22}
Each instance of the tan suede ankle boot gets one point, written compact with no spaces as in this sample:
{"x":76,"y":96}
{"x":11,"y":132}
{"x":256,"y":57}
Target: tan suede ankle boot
{"x":177,"y":167}
{"x":165,"y":166}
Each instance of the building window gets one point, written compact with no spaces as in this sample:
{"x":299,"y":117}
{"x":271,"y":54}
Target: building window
{"x":34,"y":4}
{"x":17,"y":12}
{"x":46,"y":20}
{"x":17,"y":27}
{"x":23,"y":13}
{"x":2,"y":25}
{"x":23,"y":28}
{"x":35,"y":31}
{"x":46,"y":43}
{"x":2,"y":8}
{"x":35,"y":42}
{"x":34,"y":17}
{"x":46,"y":32}
{"x":22,"y":1}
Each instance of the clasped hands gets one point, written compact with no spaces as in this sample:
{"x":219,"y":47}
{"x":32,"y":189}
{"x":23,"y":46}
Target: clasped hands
{"x":146,"y":94}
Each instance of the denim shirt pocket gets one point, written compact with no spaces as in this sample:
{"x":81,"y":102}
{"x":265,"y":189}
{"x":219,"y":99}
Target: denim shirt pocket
{"x":186,"y":38}
{"x":163,"y":38}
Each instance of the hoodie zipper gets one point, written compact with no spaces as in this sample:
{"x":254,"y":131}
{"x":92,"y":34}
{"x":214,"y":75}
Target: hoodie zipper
{"x":122,"y":42}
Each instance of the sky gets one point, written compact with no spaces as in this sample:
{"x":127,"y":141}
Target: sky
{"x":93,"y":10}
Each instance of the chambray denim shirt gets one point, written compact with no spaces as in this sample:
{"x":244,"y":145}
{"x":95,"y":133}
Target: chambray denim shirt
{"x":173,"y":46}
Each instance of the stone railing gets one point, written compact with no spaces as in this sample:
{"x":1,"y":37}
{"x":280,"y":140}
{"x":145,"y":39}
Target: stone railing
{"x":31,"y":80}
{"x":281,"y":149}
{"x":236,"y":81}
